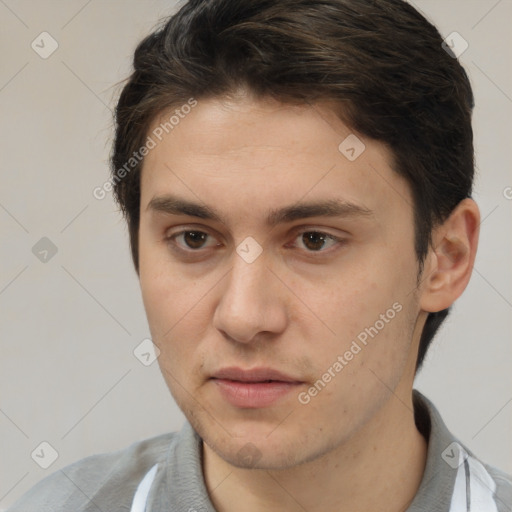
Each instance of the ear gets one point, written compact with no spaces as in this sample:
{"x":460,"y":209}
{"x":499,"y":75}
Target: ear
{"x":450,"y":261}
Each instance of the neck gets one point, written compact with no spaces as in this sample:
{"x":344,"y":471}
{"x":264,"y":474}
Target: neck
{"x":379,"y":468}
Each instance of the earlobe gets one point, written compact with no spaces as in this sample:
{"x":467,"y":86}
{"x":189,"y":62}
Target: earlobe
{"x":451,"y":257}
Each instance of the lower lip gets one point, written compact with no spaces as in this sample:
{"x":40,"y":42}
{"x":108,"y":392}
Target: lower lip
{"x":252,"y":395}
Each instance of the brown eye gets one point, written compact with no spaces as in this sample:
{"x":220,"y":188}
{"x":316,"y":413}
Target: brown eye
{"x":191,"y":240}
{"x":315,"y":241}
{"x":194,"y":239}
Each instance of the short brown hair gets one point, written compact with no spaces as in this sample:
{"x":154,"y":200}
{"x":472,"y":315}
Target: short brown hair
{"x":381,"y":61}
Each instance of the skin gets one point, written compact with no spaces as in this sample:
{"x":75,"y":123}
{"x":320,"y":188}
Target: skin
{"x":296,"y":307}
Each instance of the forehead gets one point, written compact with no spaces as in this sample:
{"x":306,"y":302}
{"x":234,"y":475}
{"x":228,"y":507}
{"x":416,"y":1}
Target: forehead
{"x":245,"y":154}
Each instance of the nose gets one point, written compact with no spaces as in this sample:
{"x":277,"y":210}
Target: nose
{"x":252,"y":302}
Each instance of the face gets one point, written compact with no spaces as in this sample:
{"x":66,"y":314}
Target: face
{"x":265,"y":247}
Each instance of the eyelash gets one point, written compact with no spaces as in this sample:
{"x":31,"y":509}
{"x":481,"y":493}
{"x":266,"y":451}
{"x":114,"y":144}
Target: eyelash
{"x":170,"y":240}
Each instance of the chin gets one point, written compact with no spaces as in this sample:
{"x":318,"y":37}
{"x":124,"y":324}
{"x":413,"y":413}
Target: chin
{"x":248,"y":455}
{"x":261,"y":446}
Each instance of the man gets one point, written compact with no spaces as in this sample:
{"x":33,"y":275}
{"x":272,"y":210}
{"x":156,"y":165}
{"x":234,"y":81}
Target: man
{"x":296,"y":177}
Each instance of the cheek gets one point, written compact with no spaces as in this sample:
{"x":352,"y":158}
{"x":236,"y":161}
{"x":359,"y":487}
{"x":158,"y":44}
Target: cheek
{"x":369,"y":311}
{"x":177,"y":308}
{"x":164,"y":292}
{"x":355,"y":371}
{"x":171,"y":314}
{"x":173,"y":308}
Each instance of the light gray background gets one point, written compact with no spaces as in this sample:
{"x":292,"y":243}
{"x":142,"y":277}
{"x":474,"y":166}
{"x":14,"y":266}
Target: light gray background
{"x":68,"y":327}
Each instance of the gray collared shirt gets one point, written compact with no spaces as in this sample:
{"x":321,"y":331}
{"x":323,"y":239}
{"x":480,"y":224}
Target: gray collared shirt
{"x":164,"y":474}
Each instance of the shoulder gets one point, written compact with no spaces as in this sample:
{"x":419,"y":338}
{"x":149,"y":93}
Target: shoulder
{"x":503,"y":490}
{"x":446,"y":477}
{"x":104,"y":481}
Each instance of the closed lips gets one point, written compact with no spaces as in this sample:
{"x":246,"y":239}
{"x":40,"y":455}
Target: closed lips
{"x":253,"y":375}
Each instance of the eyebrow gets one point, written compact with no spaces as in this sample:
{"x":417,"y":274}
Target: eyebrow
{"x":172,"y":205}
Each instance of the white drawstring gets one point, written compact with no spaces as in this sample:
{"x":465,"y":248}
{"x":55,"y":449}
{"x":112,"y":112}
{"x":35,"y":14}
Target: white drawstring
{"x":474,"y":488}
{"x":141,"y":494}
